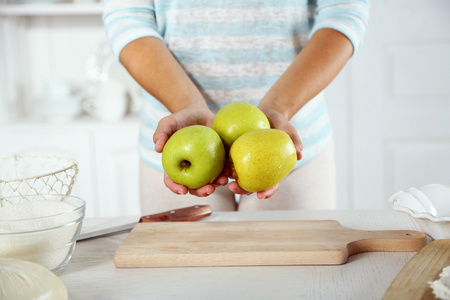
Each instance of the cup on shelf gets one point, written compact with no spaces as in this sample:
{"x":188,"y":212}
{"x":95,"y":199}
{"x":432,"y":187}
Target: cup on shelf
{"x":109,"y":102}
{"x":57,"y":88}
{"x":59,"y":101}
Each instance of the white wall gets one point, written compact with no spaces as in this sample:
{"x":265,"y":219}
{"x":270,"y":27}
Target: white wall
{"x":391,"y":104}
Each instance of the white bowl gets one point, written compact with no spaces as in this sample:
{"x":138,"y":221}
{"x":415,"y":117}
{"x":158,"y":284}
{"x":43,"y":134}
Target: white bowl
{"x":429,"y":206}
{"x":40,"y":228}
{"x":59,"y":109}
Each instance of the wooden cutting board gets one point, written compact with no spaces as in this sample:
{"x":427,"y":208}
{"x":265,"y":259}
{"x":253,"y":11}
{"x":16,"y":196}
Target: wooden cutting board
{"x":247,"y":243}
{"x":412,"y":281}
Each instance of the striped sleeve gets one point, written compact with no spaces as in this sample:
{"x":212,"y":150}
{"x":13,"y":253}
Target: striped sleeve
{"x":125,"y":21}
{"x":348,"y":17}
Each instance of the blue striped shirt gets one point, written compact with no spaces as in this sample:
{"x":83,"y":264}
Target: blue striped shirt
{"x":234,"y":51}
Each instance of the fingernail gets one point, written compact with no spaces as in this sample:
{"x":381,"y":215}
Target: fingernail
{"x":299,"y":153}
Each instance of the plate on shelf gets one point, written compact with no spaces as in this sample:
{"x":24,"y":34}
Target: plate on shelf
{"x":37,"y":1}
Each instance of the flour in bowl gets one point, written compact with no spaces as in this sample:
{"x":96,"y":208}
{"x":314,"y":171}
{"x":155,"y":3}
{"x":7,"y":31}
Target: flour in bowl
{"x":34,"y":209}
{"x":40,"y":231}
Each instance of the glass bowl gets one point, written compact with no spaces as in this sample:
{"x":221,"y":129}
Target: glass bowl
{"x":41,"y":228}
{"x":428,"y":206}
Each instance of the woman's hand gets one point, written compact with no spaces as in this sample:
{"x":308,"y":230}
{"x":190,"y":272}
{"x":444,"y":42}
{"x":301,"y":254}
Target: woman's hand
{"x":313,"y":69}
{"x":278,"y":121}
{"x":235,"y":188}
{"x":168,"y":126}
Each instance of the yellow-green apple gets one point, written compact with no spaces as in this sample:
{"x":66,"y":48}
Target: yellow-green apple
{"x":237,"y":118}
{"x":262,"y":158}
{"x":193,"y":156}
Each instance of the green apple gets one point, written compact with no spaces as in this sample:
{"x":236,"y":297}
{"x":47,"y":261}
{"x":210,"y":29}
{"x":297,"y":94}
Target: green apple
{"x":262,"y":158}
{"x":193,"y":156}
{"x":237,"y":118}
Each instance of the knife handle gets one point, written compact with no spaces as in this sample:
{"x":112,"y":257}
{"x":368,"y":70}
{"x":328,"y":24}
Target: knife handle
{"x":191,"y":213}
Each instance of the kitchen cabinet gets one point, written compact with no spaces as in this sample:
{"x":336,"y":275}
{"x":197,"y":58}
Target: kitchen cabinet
{"x":44,"y":43}
{"x":40,"y":43}
{"x":117,"y":162}
{"x":106,"y":154}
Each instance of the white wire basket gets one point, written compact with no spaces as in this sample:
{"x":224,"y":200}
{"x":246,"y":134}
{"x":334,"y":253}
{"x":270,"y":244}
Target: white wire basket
{"x":22,"y":175}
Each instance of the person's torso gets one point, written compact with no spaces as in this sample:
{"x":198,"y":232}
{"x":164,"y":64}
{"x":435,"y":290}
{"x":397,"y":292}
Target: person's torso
{"x":235,"y":51}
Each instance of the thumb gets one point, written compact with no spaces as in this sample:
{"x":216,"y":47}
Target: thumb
{"x":293,"y":134}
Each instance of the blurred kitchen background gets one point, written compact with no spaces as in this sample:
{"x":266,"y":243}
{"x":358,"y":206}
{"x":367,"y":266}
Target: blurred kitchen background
{"x":63,"y":92}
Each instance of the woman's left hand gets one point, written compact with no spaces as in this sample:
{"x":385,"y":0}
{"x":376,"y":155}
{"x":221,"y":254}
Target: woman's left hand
{"x":278,"y":121}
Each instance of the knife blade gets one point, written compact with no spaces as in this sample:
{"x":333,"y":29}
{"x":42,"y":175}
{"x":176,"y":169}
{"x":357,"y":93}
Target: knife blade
{"x":185,"y":214}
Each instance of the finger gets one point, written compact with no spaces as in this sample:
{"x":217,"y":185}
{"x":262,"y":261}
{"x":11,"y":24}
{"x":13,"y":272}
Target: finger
{"x":174,"y":187}
{"x":166,"y":127}
{"x":299,"y":153}
{"x":281,"y":123}
{"x":160,"y":143}
{"x":293,"y":134}
{"x":235,"y":188}
{"x":227,"y":170}
{"x":297,"y":142}
{"x":221,"y":180}
{"x":204,"y":191}
{"x":298,"y":145}
{"x":268,"y":193}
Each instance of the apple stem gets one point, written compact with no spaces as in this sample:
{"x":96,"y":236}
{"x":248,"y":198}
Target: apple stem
{"x":185,"y":164}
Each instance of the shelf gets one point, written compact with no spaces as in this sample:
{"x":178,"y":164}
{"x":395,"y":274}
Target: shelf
{"x":58,"y":9}
{"x":82,"y":121}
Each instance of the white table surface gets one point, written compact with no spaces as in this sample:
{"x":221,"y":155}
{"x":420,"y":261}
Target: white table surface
{"x":91,"y":273}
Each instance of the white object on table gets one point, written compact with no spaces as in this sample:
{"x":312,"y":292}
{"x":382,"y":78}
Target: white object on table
{"x":429,"y":206}
{"x":441,"y":286}
{"x":91,"y":273}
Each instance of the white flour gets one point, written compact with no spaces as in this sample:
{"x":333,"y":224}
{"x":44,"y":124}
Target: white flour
{"x":49,"y":247}
{"x":441,"y":286}
{"x":34,"y":209}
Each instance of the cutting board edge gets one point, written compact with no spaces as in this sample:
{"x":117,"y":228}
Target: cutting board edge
{"x":255,"y":258}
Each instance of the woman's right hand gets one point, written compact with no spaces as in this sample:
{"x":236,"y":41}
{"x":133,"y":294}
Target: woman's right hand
{"x":168,"y":126}
{"x":154,"y":67}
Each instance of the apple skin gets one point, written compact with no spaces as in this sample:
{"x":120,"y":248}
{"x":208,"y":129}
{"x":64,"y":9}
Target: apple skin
{"x":193,"y":156}
{"x":237,"y":118}
{"x":260,"y":159}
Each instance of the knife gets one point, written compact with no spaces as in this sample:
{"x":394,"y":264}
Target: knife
{"x":191,"y":213}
